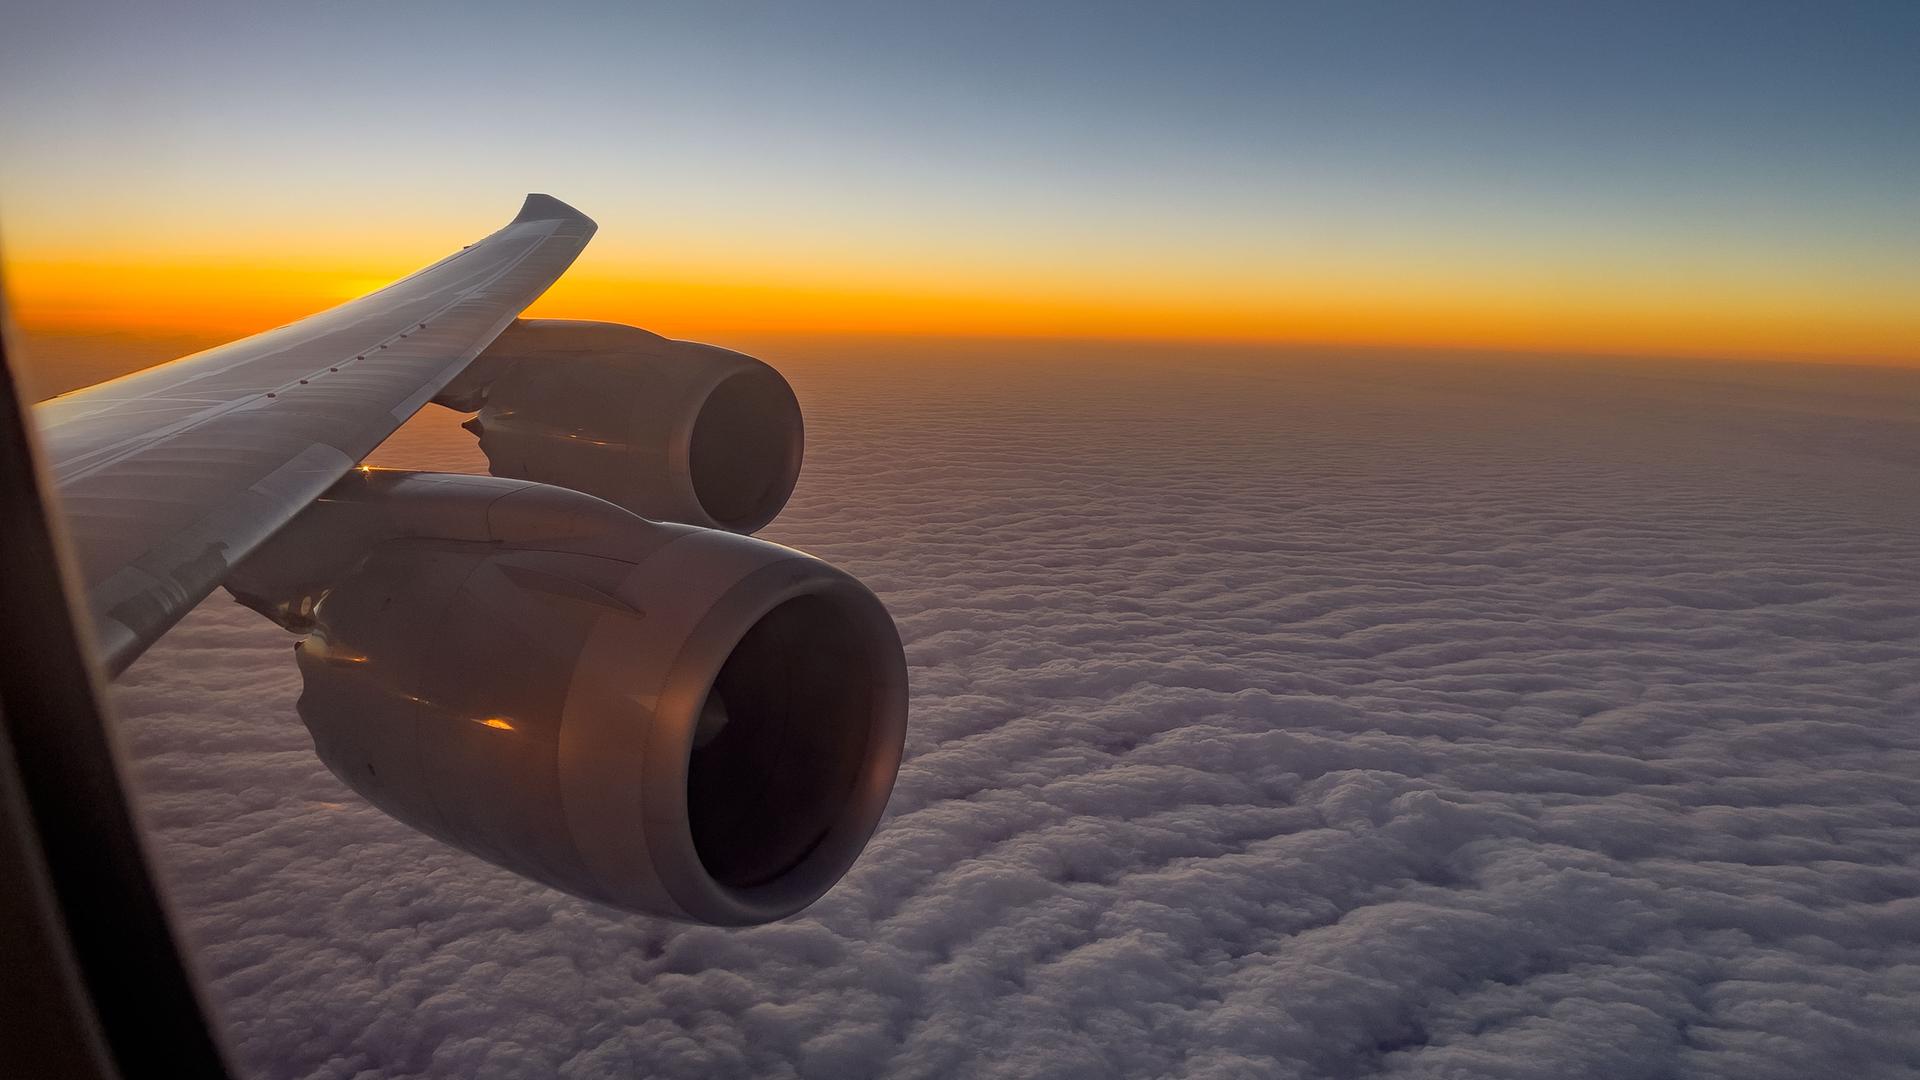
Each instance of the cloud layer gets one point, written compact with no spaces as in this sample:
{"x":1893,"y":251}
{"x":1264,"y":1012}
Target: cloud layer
{"x":1270,"y":719}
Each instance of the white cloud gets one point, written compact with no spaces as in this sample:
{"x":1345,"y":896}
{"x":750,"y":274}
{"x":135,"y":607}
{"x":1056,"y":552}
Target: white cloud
{"x":1432,"y":720}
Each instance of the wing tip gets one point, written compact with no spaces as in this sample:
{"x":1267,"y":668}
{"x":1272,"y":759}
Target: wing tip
{"x":540,"y":207}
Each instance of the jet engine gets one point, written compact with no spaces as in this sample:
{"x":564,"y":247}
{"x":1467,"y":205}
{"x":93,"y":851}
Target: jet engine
{"x":671,"y":430}
{"x":661,"y":718}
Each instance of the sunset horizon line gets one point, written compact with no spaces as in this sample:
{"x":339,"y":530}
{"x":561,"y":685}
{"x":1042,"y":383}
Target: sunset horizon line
{"x":200,"y":336}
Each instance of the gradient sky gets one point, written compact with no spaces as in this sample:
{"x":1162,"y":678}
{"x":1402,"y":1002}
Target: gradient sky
{"x":1696,"y":178}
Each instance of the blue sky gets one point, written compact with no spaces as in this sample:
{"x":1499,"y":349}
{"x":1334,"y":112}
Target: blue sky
{"x":1760,"y":150}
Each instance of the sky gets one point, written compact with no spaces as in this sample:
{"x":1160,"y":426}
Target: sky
{"x":1270,"y":719}
{"x":1715,"y":179}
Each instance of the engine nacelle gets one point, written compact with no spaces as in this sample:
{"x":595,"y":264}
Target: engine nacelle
{"x":660,"y":718}
{"x":671,"y":430}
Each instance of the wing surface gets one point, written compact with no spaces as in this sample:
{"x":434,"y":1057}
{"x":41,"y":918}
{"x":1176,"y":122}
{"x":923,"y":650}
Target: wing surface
{"x":170,"y":476}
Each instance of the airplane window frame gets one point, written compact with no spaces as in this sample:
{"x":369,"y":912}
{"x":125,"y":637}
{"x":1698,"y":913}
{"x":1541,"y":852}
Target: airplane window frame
{"x":98,"y":985}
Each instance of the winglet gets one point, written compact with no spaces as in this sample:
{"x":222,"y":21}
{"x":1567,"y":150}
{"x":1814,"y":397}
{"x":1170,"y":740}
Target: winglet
{"x":545,"y":208}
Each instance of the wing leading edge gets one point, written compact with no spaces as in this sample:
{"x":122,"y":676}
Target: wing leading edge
{"x":170,"y":476}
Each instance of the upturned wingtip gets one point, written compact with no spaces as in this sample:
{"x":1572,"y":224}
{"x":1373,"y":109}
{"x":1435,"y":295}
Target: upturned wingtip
{"x":539,"y":207}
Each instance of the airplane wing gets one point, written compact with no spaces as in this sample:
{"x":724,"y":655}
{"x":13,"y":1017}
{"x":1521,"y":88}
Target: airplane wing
{"x":581,"y":667}
{"x":170,"y":476}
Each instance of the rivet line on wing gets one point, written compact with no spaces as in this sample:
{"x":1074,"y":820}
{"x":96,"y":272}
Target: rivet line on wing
{"x":464,"y":296}
{"x":459,"y":299}
{"x":103,"y":457}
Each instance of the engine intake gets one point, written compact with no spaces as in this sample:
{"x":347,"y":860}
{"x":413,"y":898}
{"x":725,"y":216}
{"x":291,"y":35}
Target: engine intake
{"x":660,"y":718}
{"x":671,"y":430}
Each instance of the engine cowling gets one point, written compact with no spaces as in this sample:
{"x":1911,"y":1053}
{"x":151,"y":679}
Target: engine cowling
{"x":671,"y":430}
{"x":661,"y":718}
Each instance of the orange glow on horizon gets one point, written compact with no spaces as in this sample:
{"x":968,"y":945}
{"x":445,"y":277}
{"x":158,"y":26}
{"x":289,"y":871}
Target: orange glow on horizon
{"x":237,"y":297}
